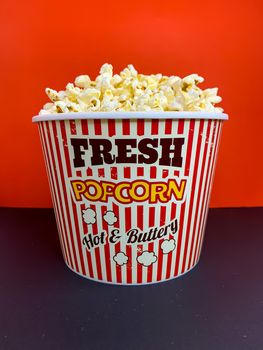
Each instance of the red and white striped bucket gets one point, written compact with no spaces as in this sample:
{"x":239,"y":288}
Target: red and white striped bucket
{"x":131,"y":190}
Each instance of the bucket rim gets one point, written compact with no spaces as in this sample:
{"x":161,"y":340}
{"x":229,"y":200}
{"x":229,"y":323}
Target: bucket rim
{"x":131,"y":115}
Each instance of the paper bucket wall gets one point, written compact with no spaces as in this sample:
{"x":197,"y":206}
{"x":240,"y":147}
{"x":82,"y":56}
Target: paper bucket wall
{"x":136,"y":222}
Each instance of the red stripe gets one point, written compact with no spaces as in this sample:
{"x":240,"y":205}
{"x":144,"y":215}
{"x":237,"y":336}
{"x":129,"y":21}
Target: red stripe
{"x":115,"y":208}
{"x":97,"y":131}
{"x":74,"y":209}
{"x":179,"y":239}
{"x":209,"y":187}
{"x":169,"y":257}
{"x":114,"y":172}
{"x":160,"y":252}
{"x":140,"y":127}
{"x":180,"y":130}
{"x":155,"y":127}
{"x":168,"y":131}
{"x":69,"y":174}
{"x":127,"y":174}
{"x":140,"y":211}
{"x":106,"y":246}
{"x":85,"y":228}
{"x":84,"y":127}
{"x":61,"y":198}
{"x":173,"y":205}
{"x":55,"y":196}
{"x":72,"y":124}
{"x":173,"y":211}
{"x":165,"y":173}
{"x":153,"y":172}
{"x":188,"y":155}
{"x":150,"y":245}
{"x":97,"y":250}
{"x":101,"y":172}
{"x":193,"y":189}
{"x":97,"y":126}
{"x":180,"y":126}
{"x":182,"y":211}
{"x":128,"y":247}
{"x":198,"y":203}
{"x":111,"y":127}
{"x":85,"y":130}
{"x":125,"y":126}
{"x":139,"y":246}
{"x":163,"y":216}
{"x":88,"y":255}
{"x":209,"y":152}
{"x":168,"y":126}
{"x":140,"y":171}
{"x":89,"y":172}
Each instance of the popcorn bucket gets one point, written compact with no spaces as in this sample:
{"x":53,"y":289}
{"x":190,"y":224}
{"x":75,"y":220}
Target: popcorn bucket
{"x":130,"y":190}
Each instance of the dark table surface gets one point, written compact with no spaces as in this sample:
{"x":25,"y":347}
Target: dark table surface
{"x":219,"y":305}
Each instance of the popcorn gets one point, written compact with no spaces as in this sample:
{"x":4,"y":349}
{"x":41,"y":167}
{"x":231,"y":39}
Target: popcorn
{"x":116,"y":79}
{"x":88,"y":94}
{"x":106,"y":69}
{"x":52,"y":94}
{"x":61,"y":107}
{"x":193,"y":79}
{"x":82,"y":81}
{"x":131,"y":91}
{"x":132,"y":70}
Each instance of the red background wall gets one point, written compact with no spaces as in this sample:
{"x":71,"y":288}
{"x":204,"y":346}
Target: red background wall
{"x":47,"y":43}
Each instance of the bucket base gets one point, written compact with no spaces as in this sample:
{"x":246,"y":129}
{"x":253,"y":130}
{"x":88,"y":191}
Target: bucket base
{"x":132,"y":284}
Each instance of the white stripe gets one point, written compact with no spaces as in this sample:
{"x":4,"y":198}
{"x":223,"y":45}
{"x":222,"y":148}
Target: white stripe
{"x":146,"y":206}
{"x":78,"y":208}
{"x":189,"y":190}
{"x":99,"y":220}
{"x":179,"y":204}
{"x":167,"y":221}
{"x":78,"y":127}
{"x":89,"y":229}
{"x":145,"y":227}
{"x":102,"y":248}
{"x":202,"y":199}
{"x":118,"y":130}
{"x":63,"y":208}
{"x":64,"y":174}
{"x":111,"y":246}
{"x":133,"y":205}
{"x":209,"y":187}
{"x":121,"y":207}
{"x":107,"y":172}
{"x":161,"y":133}
{"x":174,"y":127}
{"x":203,"y":216}
{"x":113,"y":250}
{"x":54,"y":196}
{"x":197,"y":184}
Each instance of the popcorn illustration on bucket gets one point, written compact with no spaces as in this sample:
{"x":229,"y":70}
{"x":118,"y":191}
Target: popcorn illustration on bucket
{"x":131,"y":190}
